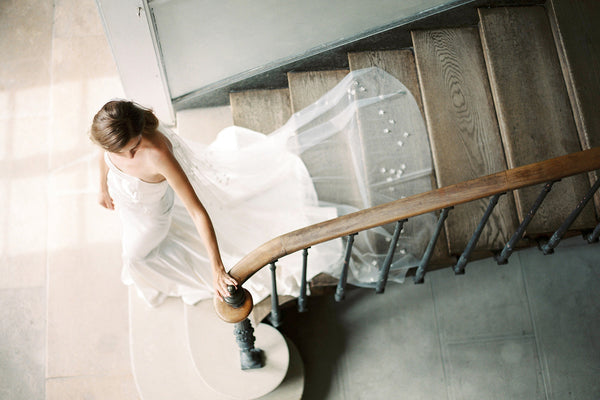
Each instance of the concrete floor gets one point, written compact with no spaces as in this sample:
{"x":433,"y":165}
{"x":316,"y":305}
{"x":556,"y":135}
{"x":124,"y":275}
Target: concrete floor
{"x":527,"y":330}
{"x":524,"y":331}
{"x":64,"y":330}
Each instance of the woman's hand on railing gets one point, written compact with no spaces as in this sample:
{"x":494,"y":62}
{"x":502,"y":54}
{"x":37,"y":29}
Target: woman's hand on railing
{"x":221,"y":280}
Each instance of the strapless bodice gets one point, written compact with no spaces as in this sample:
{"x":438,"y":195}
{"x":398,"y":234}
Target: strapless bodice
{"x":136,"y":194}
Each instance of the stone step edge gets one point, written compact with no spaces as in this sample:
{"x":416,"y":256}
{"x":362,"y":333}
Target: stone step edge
{"x":215,"y":354}
{"x":162,"y":365}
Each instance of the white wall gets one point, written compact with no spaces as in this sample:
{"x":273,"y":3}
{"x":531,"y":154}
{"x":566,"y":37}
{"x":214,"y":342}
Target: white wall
{"x":131,"y":39}
{"x":204,"y":41}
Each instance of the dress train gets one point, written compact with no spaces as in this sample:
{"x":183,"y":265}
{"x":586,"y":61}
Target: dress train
{"x":362,"y":144}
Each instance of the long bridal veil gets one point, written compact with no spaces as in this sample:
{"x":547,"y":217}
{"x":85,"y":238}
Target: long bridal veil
{"x":362,"y":144}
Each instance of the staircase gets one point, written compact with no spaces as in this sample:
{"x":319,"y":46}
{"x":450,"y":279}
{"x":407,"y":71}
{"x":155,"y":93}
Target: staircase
{"x":183,"y":352}
{"x":502,"y":94}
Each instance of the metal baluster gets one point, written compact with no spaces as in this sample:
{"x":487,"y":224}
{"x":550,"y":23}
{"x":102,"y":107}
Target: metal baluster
{"x":275,"y":316}
{"x":341,"y":287}
{"x":302,"y":298}
{"x":548,"y":248}
{"x":420,"y":274}
{"x":250,"y":357}
{"x":385,"y":269}
{"x":508,"y":249}
{"x":459,"y":268}
{"x":593,"y":237}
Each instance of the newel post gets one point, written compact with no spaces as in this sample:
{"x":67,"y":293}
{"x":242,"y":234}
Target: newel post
{"x":235,"y":309}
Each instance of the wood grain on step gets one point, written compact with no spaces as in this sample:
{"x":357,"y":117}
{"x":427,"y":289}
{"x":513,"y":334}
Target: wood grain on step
{"x":398,"y":63}
{"x":308,"y":87}
{"x":261,"y":110}
{"x":575,"y":28}
{"x":305,"y":89}
{"x":463,"y":129}
{"x":401,"y":65}
{"x":534,"y":112}
{"x":460,"y":193}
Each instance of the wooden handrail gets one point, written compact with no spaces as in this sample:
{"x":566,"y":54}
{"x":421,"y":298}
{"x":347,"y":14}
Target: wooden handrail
{"x":516,"y":178}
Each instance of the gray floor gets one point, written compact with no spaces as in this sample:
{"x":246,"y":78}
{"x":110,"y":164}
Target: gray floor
{"x":527,"y":330}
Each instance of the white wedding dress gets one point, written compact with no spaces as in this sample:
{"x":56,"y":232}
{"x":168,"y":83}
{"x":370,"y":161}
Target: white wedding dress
{"x":362,"y":144}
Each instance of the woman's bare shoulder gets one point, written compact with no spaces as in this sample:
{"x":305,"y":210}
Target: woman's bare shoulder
{"x":160,"y":149}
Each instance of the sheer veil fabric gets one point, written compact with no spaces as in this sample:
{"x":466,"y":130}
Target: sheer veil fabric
{"x":362,"y":144}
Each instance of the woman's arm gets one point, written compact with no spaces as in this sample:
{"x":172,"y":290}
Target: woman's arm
{"x":103,"y":196}
{"x":172,"y":171}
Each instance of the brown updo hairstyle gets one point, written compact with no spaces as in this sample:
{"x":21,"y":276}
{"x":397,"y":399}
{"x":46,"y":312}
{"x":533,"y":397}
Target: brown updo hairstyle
{"x":118,"y":122}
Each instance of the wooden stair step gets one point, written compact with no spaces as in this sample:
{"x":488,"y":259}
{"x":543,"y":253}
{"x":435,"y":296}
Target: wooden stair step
{"x":202,"y":125}
{"x":575,"y":30}
{"x":377,"y":169}
{"x":323,"y":284}
{"x":575,"y":27}
{"x":398,"y":63}
{"x":463,"y":129}
{"x":401,"y":65}
{"x":305,"y":89}
{"x":308,"y":87}
{"x":534,"y":112}
{"x":261,"y":110}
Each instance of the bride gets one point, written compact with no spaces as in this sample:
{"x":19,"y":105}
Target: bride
{"x":187,"y":213}
{"x":137,"y":153}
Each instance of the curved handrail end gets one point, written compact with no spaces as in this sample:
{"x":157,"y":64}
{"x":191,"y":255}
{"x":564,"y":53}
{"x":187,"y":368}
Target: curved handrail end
{"x":231,"y":314}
